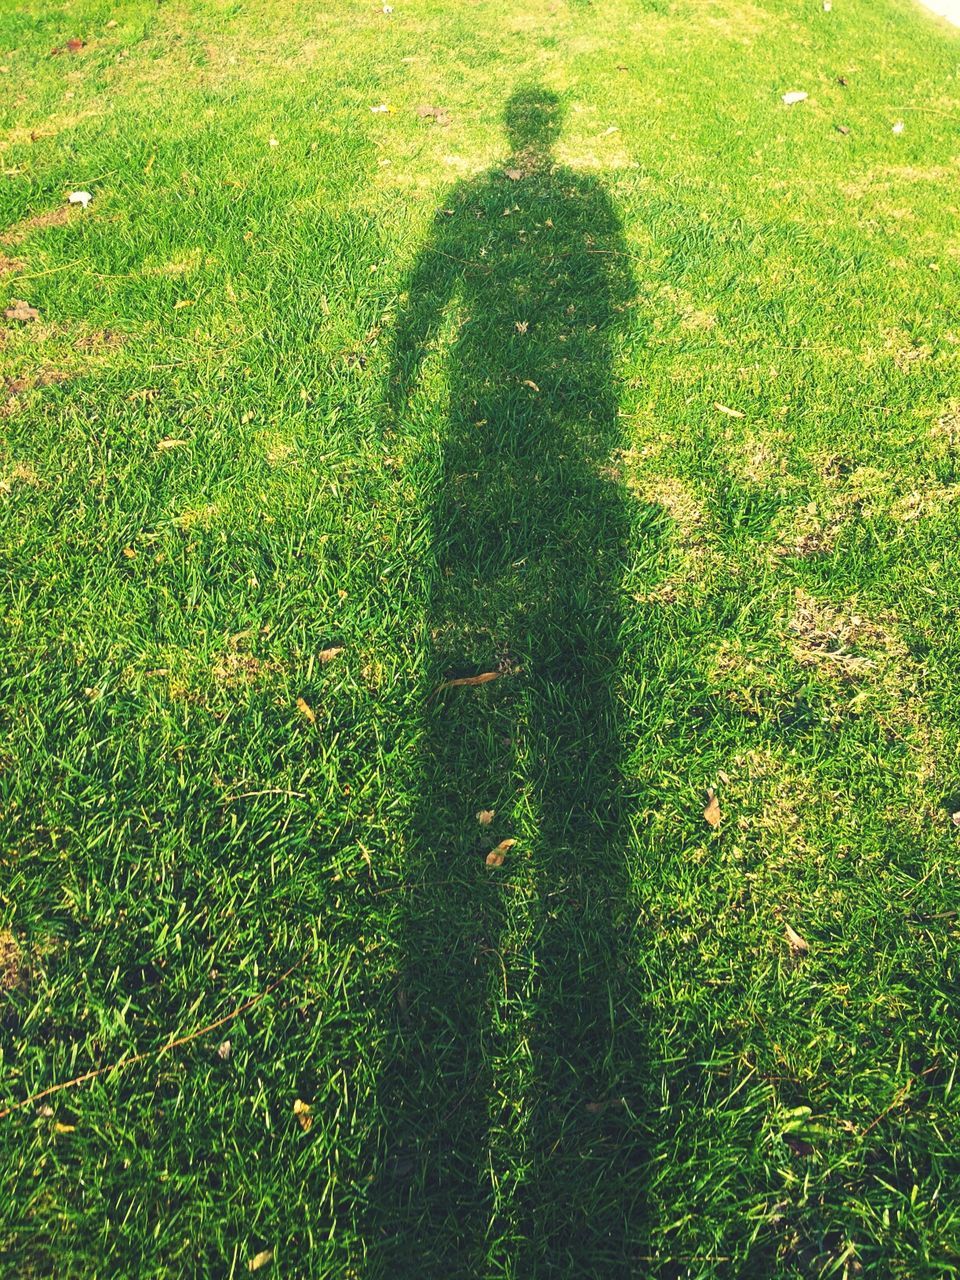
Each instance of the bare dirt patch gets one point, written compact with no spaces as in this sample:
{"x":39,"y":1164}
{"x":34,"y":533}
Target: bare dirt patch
{"x":20,"y":474}
{"x":840,"y":644}
{"x":13,"y":388}
{"x":13,"y":965}
{"x":99,"y":340}
{"x":947,"y":427}
{"x":236,"y":669}
{"x":58,"y":217}
{"x":10,"y":266}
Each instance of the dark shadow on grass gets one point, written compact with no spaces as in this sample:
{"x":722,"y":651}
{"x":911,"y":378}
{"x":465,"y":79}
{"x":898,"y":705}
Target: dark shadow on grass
{"x":506,"y":1143}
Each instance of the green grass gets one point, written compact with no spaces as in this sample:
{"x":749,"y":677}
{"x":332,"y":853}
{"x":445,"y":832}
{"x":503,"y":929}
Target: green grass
{"x":449,"y":421}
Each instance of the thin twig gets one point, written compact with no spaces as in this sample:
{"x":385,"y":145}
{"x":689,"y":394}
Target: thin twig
{"x":934,"y":111}
{"x":154,"y":1053}
{"x":270,"y":791}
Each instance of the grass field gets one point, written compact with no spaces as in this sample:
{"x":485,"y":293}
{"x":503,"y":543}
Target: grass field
{"x":587,"y":365}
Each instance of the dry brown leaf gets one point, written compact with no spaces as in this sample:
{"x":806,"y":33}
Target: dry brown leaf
{"x":956,"y":819}
{"x":731,"y":413}
{"x":129,"y":553}
{"x":462,"y":682}
{"x":496,"y":856}
{"x":433,"y":113}
{"x":305,"y":709}
{"x":513,"y":174}
{"x":302,"y":1110}
{"x":260,"y":1259}
{"x":532,"y":385}
{"x":75,"y":44}
{"x":21,"y":311}
{"x":712,"y":811}
{"x":170,"y":443}
{"x":797,"y":943}
{"x":798,"y":1146}
{"x":485,"y":817}
{"x":327,"y":655}
{"x":598,"y":1108}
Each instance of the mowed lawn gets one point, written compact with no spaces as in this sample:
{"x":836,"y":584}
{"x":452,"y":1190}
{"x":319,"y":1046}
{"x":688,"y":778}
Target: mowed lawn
{"x":583,"y":364}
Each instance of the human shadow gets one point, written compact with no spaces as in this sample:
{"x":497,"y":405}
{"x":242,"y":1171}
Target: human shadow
{"x":510,"y":1044}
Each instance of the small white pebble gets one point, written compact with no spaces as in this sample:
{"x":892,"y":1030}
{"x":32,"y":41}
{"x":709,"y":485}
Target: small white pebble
{"x":80,"y":197}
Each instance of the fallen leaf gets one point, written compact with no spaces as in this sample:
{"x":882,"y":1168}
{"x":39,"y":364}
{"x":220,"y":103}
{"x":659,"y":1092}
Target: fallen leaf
{"x":302,"y":1111}
{"x":843,"y":128}
{"x":795,"y":95}
{"x":303,"y":706}
{"x":598,"y":1108}
{"x":842,"y":81}
{"x":170,"y":443}
{"x":731,"y":413}
{"x":64,"y":1128}
{"x":956,"y":819}
{"x":111,"y":24}
{"x":130,"y":553}
{"x":485,"y":817}
{"x":224,"y":1051}
{"x":462,"y":682}
{"x":513,"y":174}
{"x":433,"y":113}
{"x":613,"y":129}
{"x":80,"y":197}
{"x":797,"y":943}
{"x":21,"y":311}
{"x":496,"y":856}
{"x":798,"y":1146}
{"x":712,"y":811}
{"x":328,"y":655}
{"x":75,"y":44}
{"x":522,"y":325}
{"x":532,"y":385}
{"x":260,"y":1259}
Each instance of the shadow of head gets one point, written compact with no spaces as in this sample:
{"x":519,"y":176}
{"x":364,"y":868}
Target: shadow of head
{"x":533,"y":116}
